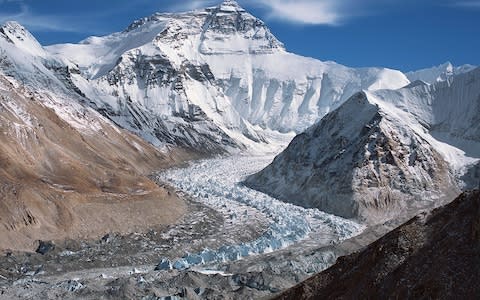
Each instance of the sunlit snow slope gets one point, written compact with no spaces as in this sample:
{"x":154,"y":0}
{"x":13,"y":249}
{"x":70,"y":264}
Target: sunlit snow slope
{"x":439,"y":73}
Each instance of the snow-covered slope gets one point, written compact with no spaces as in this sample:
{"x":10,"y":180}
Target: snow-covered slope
{"x":384,"y":153}
{"x":217,"y":70}
{"x":48,"y":77}
{"x":449,"y":111}
{"x":17,"y":35}
{"x":438,"y":73}
{"x":61,"y":87}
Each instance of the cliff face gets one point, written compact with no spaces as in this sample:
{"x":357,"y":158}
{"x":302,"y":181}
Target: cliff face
{"x":435,"y":255}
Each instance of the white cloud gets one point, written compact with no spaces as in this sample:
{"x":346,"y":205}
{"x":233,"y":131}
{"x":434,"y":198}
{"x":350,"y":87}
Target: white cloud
{"x":305,"y":11}
{"x":324,"y":12}
{"x":191,"y":5}
{"x":38,"y":22}
{"x":467,"y":4}
{"x":312,"y":12}
{"x":301,"y":11}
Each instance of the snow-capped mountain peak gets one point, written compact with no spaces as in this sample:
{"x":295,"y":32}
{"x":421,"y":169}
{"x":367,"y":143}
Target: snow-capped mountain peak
{"x":229,"y":6}
{"x":219,"y":64}
{"x":16,"y":32}
{"x":438,"y":73}
{"x":230,"y":29}
{"x":384,"y":152}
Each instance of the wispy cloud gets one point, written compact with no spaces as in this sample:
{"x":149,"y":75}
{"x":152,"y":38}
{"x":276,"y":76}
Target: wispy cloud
{"x":313,"y":12}
{"x":93,"y":21}
{"x":38,"y":22}
{"x":466,"y":4}
{"x":324,"y":12}
{"x":297,"y":11}
{"x":191,"y":5}
{"x":304,"y":11}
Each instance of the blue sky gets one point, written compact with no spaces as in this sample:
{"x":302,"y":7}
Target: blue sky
{"x":401,"y":34}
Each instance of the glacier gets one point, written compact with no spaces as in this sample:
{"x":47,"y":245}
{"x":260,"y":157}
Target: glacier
{"x":218,"y":184}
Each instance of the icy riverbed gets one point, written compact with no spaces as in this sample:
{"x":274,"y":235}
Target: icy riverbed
{"x":217,"y":183}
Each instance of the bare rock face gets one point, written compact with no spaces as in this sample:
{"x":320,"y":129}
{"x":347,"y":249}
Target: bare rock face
{"x":433,"y":256}
{"x":44,"y":247}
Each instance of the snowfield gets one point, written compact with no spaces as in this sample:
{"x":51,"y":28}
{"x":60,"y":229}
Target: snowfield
{"x":217,"y":183}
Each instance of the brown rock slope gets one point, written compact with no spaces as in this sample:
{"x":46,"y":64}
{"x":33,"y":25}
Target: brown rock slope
{"x":59,"y":180}
{"x":433,"y":256}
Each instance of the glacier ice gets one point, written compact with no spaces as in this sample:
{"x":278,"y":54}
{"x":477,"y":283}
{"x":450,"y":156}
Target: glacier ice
{"x":217,"y":183}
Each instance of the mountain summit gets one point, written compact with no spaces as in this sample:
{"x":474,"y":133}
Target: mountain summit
{"x":229,"y":29}
{"x":217,"y":76}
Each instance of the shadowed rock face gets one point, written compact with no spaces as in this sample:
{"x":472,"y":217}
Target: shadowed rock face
{"x":435,"y":255}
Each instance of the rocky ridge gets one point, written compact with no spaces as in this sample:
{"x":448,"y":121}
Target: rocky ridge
{"x":384,"y":153}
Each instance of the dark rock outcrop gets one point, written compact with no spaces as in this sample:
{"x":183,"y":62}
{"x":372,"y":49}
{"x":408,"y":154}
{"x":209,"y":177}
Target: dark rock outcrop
{"x":44,"y":247}
{"x":435,"y":255}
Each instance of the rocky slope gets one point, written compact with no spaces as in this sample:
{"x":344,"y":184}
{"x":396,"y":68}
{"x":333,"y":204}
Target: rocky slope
{"x":65,"y":170}
{"x":433,"y":256}
{"x":384,"y":153}
{"x":212,"y":77}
